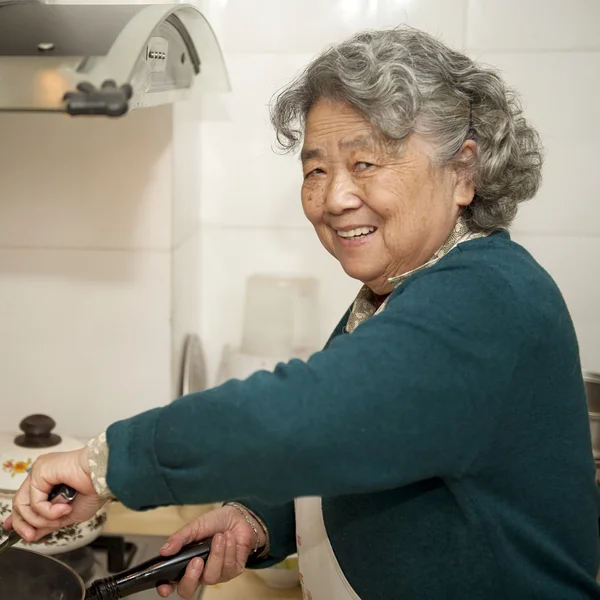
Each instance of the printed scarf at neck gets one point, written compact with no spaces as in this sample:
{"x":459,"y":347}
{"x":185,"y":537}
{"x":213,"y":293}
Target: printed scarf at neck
{"x":368,"y":304}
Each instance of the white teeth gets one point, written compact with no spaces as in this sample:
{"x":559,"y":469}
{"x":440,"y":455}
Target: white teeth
{"x":356,"y":232}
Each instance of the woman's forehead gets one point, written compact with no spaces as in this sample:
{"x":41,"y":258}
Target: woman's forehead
{"x":326,"y":112}
{"x":339,"y":124}
{"x":314,"y":148}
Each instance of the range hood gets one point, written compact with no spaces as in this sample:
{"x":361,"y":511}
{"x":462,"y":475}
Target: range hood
{"x":103,"y":59}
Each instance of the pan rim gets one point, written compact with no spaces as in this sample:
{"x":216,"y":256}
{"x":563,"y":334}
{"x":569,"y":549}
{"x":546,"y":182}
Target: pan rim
{"x":62,"y":564}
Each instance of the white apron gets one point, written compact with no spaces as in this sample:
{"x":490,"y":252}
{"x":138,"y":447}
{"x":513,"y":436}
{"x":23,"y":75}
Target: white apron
{"x":320,"y":573}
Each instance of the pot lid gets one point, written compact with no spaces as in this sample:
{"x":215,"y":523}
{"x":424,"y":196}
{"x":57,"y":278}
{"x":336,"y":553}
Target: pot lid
{"x":19,"y":451}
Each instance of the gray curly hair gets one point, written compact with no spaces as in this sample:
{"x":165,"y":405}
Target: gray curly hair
{"x":405,"y":81}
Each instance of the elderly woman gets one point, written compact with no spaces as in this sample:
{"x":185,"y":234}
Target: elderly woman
{"x":439,"y":446}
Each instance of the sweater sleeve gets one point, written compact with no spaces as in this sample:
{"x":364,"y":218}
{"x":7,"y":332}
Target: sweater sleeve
{"x":281,"y":526}
{"x":412,"y":394}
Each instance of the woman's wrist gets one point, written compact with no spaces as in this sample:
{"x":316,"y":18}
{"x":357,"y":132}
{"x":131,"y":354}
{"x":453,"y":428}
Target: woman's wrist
{"x":84,"y":463}
{"x":97,"y":465}
{"x":261,"y":547}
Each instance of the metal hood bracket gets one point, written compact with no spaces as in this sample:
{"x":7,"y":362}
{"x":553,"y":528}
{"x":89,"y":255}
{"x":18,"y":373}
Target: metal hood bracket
{"x":104,"y":59}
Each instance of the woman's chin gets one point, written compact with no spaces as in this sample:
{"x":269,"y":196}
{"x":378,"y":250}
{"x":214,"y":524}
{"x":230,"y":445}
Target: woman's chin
{"x":359,"y":272}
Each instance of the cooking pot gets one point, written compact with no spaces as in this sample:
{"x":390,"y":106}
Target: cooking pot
{"x":592,"y":392}
{"x":26,"y":575}
{"x":17,"y":454}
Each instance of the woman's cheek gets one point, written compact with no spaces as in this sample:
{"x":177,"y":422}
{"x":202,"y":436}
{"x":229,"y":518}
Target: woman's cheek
{"x":326,"y":236}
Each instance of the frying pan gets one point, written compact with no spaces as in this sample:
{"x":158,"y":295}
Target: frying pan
{"x":25,"y":575}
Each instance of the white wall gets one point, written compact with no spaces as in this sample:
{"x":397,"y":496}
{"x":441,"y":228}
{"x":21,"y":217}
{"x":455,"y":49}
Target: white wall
{"x":94,"y":285}
{"x":550,"y":51}
{"x":85,"y":267}
{"x":251,"y":217}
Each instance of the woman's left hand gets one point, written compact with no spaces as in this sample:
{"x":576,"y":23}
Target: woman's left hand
{"x":33,"y":516}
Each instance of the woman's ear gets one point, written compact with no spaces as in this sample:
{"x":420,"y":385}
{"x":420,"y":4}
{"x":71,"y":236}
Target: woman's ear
{"x":463,"y":164}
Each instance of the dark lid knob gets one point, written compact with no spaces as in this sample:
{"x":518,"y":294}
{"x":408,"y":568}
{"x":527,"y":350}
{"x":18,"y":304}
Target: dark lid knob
{"x":37,"y":432}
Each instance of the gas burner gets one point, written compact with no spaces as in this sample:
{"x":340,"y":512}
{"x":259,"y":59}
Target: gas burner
{"x":119,"y":552}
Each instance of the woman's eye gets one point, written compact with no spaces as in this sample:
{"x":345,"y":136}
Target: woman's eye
{"x":313,"y":172}
{"x":361,"y":166}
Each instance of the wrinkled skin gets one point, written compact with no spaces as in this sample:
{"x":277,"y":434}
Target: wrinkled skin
{"x":233,"y":541}
{"x":352,"y":178}
{"x":33,"y":516}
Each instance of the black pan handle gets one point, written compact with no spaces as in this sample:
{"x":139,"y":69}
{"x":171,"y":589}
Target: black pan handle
{"x":148,"y":575}
{"x":62,"y":494}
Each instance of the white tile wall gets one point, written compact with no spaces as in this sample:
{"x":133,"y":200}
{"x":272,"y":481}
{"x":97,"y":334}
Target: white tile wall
{"x":85,"y":335}
{"x":85,"y":267}
{"x":185,"y":236}
{"x":307,"y":26}
{"x":518,"y":26}
{"x":560,"y":94}
{"x":252,"y":222}
{"x":185,"y":170}
{"x":86,"y":183}
{"x":185,"y":302}
{"x":244,"y":182}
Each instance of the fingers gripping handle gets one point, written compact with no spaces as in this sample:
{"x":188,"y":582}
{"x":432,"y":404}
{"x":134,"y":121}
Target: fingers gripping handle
{"x":148,"y":575}
{"x":62,"y":494}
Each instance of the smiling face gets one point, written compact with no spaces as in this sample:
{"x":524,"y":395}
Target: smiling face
{"x":379,"y":209}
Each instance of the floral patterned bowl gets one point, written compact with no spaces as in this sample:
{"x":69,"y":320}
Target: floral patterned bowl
{"x":17,"y":455}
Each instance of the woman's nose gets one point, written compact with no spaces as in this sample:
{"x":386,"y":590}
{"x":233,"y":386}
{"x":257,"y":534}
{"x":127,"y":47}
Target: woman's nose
{"x":342,"y":195}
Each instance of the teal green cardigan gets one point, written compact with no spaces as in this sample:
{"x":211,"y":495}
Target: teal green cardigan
{"x":448,"y":437}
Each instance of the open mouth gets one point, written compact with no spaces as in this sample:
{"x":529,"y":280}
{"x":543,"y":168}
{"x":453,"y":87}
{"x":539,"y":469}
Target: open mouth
{"x":358,"y":233}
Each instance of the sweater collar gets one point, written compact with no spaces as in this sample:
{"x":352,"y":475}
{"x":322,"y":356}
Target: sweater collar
{"x":368,"y":304}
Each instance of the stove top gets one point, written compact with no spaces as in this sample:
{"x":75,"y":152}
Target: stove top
{"x":110,"y":554}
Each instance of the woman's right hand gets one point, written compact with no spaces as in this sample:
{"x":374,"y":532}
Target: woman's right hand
{"x":233,"y":542}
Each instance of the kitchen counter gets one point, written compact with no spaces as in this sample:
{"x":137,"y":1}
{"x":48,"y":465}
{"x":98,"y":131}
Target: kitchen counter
{"x":249,"y":587}
{"x":159,"y":521}
{"x":167,"y":520}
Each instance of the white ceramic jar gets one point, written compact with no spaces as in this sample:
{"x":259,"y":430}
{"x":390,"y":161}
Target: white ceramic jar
{"x":17,"y":454}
